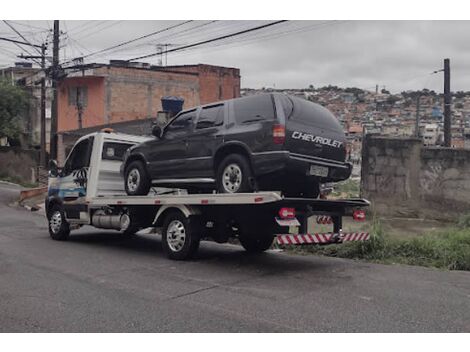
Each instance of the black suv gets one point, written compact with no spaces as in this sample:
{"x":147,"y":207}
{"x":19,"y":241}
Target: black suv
{"x":269,"y":142}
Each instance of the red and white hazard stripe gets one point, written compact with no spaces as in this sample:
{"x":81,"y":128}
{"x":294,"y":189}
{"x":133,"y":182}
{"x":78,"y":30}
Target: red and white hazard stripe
{"x":304,"y":239}
{"x":320,"y":238}
{"x":324,"y":220}
{"x":356,"y":236}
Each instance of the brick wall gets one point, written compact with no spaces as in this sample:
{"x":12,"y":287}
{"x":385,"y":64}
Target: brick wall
{"x":118,"y":94}
{"x":93,"y":112}
{"x":402,"y":177}
{"x":216,"y":83}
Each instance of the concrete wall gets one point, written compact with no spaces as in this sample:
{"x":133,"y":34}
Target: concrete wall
{"x":18,"y":163}
{"x":402,"y":177}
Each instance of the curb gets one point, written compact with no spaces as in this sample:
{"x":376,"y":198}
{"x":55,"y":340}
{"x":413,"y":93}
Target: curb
{"x":10,"y":183}
{"x":31,"y":192}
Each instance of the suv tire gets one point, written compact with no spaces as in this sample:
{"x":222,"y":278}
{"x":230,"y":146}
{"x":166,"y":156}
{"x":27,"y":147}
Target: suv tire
{"x":234,"y":175}
{"x":136,"y":179}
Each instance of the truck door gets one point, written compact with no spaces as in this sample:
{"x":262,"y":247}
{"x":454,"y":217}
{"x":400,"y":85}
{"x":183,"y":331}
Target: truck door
{"x":73,"y":178}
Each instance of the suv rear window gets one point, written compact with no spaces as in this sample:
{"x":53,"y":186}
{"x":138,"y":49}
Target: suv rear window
{"x":254,"y":108}
{"x":314,"y":114}
{"x":211,"y":116}
{"x":287,"y":105}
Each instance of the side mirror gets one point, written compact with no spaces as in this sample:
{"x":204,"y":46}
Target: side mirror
{"x":53,"y":168}
{"x":157,"y":131}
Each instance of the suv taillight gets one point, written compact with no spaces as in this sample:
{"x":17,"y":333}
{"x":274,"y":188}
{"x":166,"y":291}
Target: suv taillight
{"x":279,"y":134}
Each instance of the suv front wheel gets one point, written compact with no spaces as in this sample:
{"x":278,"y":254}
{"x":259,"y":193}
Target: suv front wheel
{"x":234,"y":175}
{"x":136,"y":180}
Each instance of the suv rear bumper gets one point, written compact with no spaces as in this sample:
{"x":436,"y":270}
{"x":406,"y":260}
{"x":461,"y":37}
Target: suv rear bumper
{"x":298,"y":164}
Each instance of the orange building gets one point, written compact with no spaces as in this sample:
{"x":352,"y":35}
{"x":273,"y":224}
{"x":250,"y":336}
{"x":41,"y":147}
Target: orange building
{"x":121,"y":91}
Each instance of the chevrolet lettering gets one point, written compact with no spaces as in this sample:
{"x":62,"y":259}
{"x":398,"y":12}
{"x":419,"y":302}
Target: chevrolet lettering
{"x":316,"y":139}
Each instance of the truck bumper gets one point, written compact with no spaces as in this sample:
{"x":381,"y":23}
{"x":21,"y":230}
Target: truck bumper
{"x":321,"y":238}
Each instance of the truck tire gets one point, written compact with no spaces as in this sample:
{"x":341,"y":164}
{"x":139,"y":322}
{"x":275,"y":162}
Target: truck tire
{"x":59,"y":228}
{"x":234,"y":175}
{"x":256,"y":244}
{"x":136,"y":179}
{"x":180,"y":238}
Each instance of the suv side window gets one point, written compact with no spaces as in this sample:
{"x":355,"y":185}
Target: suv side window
{"x":211,"y":116}
{"x":79,"y":157}
{"x":253,"y":109}
{"x":182,"y":124}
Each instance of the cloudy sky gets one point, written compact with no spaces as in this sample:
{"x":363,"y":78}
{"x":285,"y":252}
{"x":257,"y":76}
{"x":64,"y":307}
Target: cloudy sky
{"x":397,"y":55}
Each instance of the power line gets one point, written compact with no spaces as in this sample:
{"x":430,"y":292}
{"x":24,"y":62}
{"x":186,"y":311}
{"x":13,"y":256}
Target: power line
{"x":172,"y":36}
{"x":21,"y":35}
{"x":249,"y":40}
{"x":136,"y":39}
{"x":210,"y":40}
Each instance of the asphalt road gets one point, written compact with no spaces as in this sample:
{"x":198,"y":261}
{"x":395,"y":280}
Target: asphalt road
{"x":101,"y":282}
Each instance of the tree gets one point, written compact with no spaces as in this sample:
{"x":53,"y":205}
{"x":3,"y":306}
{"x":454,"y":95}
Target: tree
{"x":14,"y":103}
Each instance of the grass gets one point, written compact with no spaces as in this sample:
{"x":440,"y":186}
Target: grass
{"x":346,"y":189}
{"x":18,"y":181}
{"x":448,"y":249}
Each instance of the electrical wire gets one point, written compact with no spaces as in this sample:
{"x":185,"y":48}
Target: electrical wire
{"x":210,"y":40}
{"x":136,"y":39}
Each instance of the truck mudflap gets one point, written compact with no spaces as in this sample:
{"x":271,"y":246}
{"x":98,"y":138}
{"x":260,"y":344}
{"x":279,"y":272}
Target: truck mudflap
{"x":321,"y":238}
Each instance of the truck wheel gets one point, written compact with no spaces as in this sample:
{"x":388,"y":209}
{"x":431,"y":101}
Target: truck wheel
{"x":59,"y":228}
{"x":234,"y":175}
{"x":136,"y":180}
{"x":180,"y":239}
{"x":256,"y":244}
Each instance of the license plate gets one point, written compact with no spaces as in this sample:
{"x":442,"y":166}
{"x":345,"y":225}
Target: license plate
{"x":320,"y":171}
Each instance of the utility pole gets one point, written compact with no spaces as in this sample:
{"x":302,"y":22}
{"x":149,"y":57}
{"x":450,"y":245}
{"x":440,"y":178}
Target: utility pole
{"x":54,"y":111}
{"x":79,"y":106}
{"x":447,"y":102}
{"x":43,"y":97}
{"x":418,"y":99}
{"x":43,"y":107}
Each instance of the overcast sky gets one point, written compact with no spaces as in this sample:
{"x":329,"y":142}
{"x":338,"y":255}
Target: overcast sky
{"x":399,"y":55}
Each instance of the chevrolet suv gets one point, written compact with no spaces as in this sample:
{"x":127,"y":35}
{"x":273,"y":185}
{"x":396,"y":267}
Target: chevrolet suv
{"x":269,"y":142}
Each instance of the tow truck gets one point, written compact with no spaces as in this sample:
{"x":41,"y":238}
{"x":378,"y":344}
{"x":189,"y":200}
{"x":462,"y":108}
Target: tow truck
{"x":89,"y":190}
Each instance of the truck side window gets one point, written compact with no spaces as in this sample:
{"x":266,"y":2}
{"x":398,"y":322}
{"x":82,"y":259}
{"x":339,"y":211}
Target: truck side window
{"x":254,"y":109}
{"x":211,"y":116}
{"x":182,"y":124}
{"x":79,"y":157}
{"x":114,"y":150}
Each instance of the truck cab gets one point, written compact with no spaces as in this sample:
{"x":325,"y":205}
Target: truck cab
{"x":90,"y":170}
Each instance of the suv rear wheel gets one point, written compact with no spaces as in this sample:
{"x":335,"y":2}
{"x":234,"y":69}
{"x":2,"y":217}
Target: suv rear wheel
{"x":234,"y":175}
{"x":137,"y":182}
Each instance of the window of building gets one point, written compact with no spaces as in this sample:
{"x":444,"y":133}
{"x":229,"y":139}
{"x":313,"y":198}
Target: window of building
{"x":78,"y":96}
{"x":211,"y":116}
{"x":254,"y":108}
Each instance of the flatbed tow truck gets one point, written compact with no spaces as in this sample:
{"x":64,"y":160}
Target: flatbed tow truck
{"x":89,"y":190}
